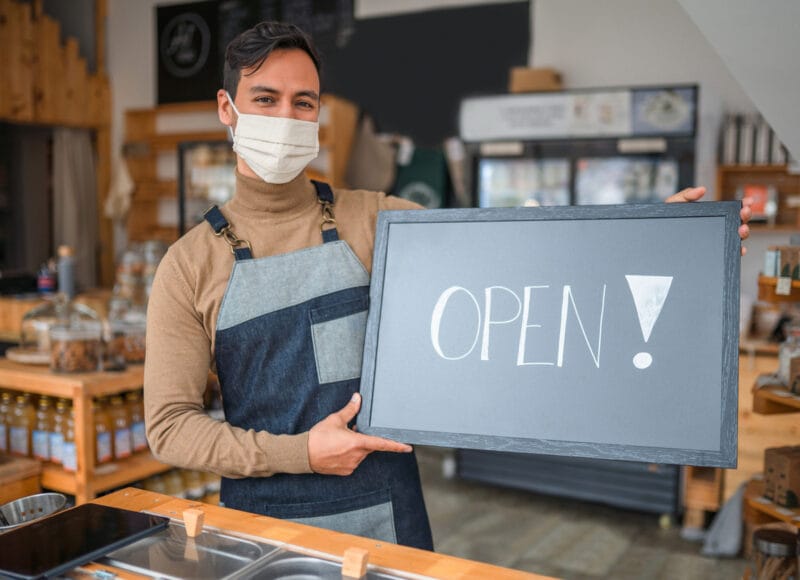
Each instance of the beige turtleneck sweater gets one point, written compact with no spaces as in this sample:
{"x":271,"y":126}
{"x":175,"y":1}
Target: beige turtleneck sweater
{"x":182,"y":318}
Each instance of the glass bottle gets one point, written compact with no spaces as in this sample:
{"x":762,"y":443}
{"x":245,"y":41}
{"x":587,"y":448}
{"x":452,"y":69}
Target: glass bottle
{"x":42,"y":427}
{"x":174,"y":484}
{"x":103,"y":445}
{"x":59,"y":309}
{"x":6,"y":402}
{"x":193,"y":484}
{"x":120,"y":425}
{"x":789,"y":349}
{"x":69,"y":453}
{"x":60,"y":415}
{"x":23,"y":416}
{"x":136,"y":414}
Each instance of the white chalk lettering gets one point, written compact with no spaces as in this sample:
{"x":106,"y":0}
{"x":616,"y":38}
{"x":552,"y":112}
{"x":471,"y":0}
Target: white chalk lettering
{"x":563,"y":331}
{"x":523,"y":331}
{"x":436,"y":321}
{"x":487,"y":317}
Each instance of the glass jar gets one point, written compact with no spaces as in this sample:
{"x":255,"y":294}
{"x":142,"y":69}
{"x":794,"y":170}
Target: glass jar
{"x":42,"y":427}
{"x":127,"y":339}
{"x":6,"y":402}
{"x":76,"y":348}
{"x":58,"y":425}
{"x":103,"y":446}
{"x":136,"y":414}
{"x":774,"y":553}
{"x":120,"y":425}
{"x":69,"y":453}
{"x":57,"y":310}
{"x":20,"y":425}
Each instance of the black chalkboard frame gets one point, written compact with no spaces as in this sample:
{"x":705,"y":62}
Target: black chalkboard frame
{"x":725,"y":456}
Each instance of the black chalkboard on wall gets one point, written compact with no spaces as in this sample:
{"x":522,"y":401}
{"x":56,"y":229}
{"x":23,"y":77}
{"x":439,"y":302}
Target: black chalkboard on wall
{"x":592,"y":331}
{"x":409,"y":71}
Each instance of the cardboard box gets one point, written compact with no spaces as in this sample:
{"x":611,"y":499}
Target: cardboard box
{"x":782,"y":476}
{"x":531,"y":80}
{"x":787,"y":479}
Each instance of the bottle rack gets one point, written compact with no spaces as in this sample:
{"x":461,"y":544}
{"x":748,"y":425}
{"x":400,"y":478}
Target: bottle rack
{"x":89,"y":480}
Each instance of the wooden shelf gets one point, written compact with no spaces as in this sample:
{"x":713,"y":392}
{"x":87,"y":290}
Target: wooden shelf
{"x":105,"y":477}
{"x":759,"y":510}
{"x":82,"y":388}
{"x":767,"y":286}
{"x":775,"y":399}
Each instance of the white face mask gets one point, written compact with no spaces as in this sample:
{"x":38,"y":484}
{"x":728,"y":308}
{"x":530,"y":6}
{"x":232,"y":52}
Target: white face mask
{"x":277,"y":149}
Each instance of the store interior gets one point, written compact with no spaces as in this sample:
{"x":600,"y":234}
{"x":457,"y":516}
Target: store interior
{"x":112,"y":149}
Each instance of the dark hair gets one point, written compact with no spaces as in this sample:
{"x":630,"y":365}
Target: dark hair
{"x":252,"y":47}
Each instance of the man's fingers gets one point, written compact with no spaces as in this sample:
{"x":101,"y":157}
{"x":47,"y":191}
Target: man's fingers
{"x":689,"y":194}
{"x":371,"y":443}
{"x":350,"y":410}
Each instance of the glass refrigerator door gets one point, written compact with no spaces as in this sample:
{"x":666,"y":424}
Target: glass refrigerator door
{"x":613,"y":180}
{"x":504,"y":182}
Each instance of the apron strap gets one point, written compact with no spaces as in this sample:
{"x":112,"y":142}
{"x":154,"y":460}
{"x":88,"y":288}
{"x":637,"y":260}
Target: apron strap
{"x":325,"y":197}
{"x":221,"y":227}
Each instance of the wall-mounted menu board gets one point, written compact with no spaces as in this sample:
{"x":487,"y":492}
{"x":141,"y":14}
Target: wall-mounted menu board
{"x":594,"y":331}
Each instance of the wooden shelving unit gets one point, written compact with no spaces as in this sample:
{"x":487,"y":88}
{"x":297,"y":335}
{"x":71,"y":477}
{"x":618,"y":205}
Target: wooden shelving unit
{"x":153,"y":135}
{"x":89,"y":480}
{"x":731,"y":177}
{"x":775,"y":399}
{"x":767,"y":290}
{"x":759,"y":510}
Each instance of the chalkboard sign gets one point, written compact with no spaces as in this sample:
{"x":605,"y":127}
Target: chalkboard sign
{"x":603,"y":331}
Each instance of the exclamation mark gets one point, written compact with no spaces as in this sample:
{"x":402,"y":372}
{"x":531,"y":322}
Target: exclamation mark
{"x":649,"y":294}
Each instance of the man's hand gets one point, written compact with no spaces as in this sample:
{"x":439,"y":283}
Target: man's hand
{"x":333,"y":449}
{"x":695,"y":193}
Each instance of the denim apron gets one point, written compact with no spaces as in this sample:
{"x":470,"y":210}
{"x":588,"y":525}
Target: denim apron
{"x":289,"y":344}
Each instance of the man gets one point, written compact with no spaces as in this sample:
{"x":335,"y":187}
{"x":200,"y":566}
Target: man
{"x":272,"y":293}
{"x":282,"y":319}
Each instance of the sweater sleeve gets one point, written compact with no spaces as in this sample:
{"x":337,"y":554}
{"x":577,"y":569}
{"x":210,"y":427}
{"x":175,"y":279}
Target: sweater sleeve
{"x":175,"y":375}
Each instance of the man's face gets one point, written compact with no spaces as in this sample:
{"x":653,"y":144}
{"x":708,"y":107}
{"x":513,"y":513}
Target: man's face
{"x":285,"y":85}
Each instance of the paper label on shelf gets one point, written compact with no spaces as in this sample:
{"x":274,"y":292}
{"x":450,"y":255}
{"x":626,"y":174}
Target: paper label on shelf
{"x":783,"y":287}
{"x":782,"y":394}
{"x":784,"y":512}
{"x":763,"y":500}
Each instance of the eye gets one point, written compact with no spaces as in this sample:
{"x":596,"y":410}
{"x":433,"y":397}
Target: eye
{"x":265,"y":99}
{"x":305,"y":105}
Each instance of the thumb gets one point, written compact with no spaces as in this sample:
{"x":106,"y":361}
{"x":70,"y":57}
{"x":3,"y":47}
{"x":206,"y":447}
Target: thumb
{"x":349,"y":411}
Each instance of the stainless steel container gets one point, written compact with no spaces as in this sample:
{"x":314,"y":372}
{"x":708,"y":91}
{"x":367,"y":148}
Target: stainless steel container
{"x":29,"y":508}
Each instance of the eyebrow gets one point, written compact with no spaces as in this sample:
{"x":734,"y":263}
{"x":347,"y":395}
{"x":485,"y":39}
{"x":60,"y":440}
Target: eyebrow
{"x":264,"y":89}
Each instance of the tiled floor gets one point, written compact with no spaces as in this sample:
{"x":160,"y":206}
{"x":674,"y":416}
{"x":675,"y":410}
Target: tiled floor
{"x":557,"y":537}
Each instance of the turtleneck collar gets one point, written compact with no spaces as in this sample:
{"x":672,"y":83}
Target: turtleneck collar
{"x":286,"y":199}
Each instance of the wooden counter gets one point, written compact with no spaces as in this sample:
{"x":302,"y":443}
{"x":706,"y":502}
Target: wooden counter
{"x":381,"y":554}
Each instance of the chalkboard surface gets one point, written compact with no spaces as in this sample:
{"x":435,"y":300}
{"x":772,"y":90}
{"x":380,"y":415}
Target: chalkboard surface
{"x":602,"y":331}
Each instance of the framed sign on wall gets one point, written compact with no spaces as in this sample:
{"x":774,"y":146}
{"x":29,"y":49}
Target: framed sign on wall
{"x":594,"y":331}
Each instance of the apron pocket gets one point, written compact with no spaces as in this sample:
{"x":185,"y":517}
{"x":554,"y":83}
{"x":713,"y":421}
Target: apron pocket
{"x":337,"y":332}
{"x":374,"y":521}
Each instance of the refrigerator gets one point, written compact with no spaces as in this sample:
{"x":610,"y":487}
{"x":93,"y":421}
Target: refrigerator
{"x":591,"y":146}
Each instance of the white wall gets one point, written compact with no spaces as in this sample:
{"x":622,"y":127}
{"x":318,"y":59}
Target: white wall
{"x":131,"y":60}
{"x":638,"y":42}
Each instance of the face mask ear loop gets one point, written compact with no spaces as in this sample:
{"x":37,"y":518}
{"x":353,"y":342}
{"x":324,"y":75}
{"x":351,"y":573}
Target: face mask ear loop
{"x":235,"y":110}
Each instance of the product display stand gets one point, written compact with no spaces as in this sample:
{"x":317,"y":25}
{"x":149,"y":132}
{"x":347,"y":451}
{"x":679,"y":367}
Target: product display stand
{"x":81,"y":388}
